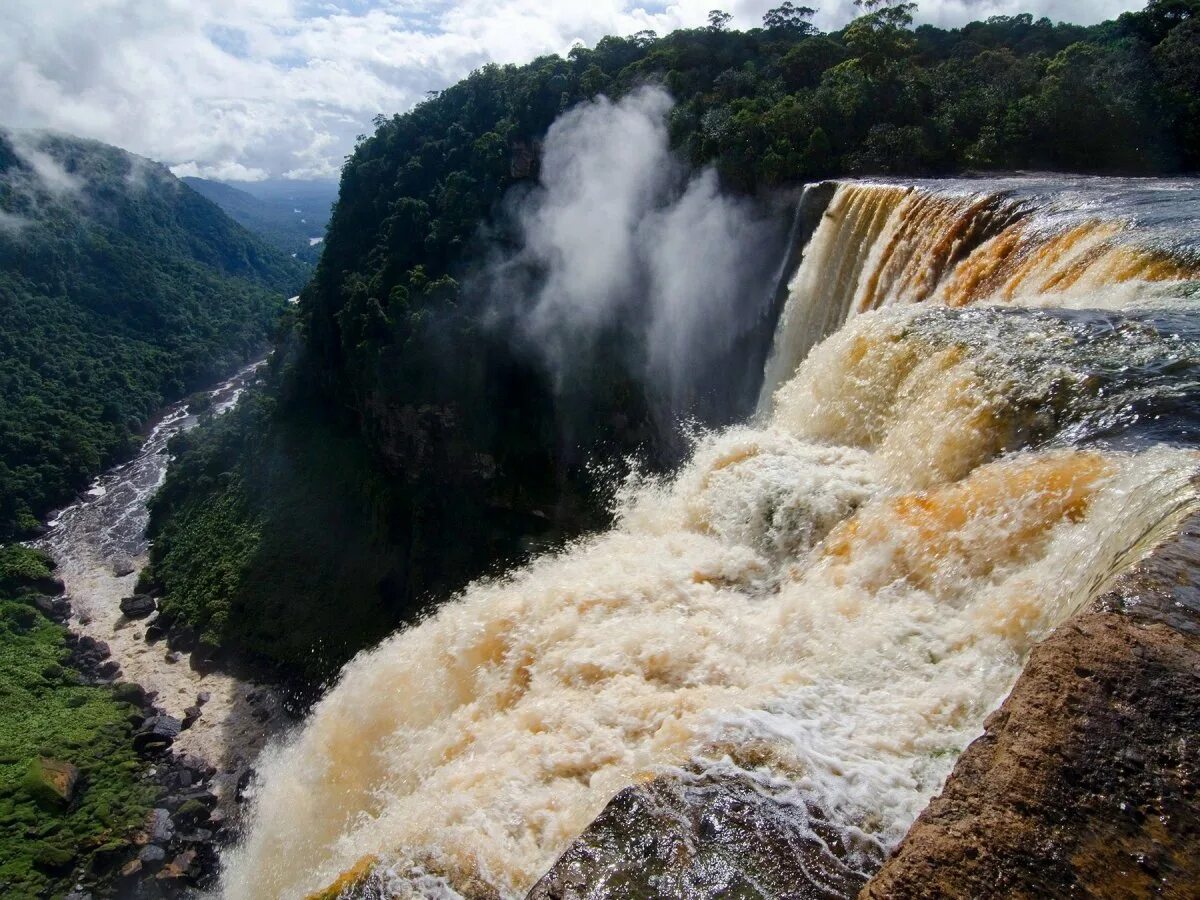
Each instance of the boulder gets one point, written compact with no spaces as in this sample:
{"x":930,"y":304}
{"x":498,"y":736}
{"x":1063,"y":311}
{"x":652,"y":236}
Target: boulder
{"x":57,"y":609}
{"x":180,"y":867}
{"x":52,"y":782}
{"x":181,"y":638}
{"x":190,"y":715}
{"x":1084,"y":782}
{"x":152,"y":855}
{"x":157,"y":733}
{"x":138,"y":606}
{"x":50,"y":584}
{"x":158,"y":827}
{"x":122,"y":566}
{"x":702,"y":836}
{"x":126,"y":692}
{"x":110,"y":668}
{"x":51,"y":858}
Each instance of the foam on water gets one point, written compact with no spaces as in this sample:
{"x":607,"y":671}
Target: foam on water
{"x":828,"y":602}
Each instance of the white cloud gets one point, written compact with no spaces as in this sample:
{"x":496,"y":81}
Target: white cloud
{"x":604,"y":233}
{"x":237,"y":89}
{"x":225,"y":171}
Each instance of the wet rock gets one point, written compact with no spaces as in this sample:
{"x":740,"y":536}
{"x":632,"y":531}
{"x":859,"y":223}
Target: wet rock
{"x":157,"y":733}
{"x":699,"y":837}
{"x":181,"y":638}
{"x":244,"y":782}
{"x":90,"y":652}
{"x":173,"y":656}
{"x":50,"y":584}
{"x":108,"y":669}
{"x":158,"y":827}
{"x":126,"y":692}
{"x":131,"y":869}
{"x":152,"y":856}
{"x":51,"y":782}
{"x":138,"y":606}
{"x":122,"y":566}
{"x":182,"y":866}
{"x":203,"y":697}
{"x":1084,"y":782}
{"x":353,"y":882}
{"x":108,"y":858}
{"x":190,"y":715}
{"x":156,"y":629}
{"x":57,"y":609}
{"x":191,"y":814}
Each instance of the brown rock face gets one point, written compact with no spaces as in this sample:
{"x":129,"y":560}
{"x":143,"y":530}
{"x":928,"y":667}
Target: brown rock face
{"x":1087,"y":780}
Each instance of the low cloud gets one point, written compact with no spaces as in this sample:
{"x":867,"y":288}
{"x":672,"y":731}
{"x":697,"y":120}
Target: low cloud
{"x":50,"y":175}
{"x":226,"y":171}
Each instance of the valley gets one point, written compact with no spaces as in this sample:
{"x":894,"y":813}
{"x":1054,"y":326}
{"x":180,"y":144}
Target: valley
{"x":644,"y":455}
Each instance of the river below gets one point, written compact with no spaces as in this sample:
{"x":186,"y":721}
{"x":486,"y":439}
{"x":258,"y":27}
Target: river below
{"x":100,"y":545}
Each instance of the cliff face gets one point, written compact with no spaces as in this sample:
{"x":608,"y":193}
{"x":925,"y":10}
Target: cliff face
{"x":1085,"y":781}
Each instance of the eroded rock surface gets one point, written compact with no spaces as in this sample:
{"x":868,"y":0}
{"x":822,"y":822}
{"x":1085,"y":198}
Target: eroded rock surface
{"x":706,"y":836}
{"x":1087,"y":780}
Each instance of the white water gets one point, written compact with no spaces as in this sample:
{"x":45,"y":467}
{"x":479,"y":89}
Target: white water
{"x":829,"y":602}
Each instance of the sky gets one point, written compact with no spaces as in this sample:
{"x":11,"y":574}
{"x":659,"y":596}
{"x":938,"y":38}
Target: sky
{"x":243,"y":90}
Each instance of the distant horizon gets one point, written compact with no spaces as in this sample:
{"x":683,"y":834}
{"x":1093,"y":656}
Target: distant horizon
{"x":280,"y":89}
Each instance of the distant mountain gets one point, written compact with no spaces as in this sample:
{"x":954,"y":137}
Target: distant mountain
{"x":291,"y":215}
{"x":120,"y":290}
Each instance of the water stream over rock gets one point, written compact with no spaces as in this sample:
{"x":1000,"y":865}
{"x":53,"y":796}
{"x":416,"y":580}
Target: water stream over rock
{"x":99,"y":543}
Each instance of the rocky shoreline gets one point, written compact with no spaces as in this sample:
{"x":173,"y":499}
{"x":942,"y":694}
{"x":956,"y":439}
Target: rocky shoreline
{"x":196,"y":719}
{"x":176,"y":851}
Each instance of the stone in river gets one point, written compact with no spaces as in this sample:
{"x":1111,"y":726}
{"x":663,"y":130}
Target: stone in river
{"x":138,"y":606}
{"x":122,"y":566}
{"x":157,"y":733}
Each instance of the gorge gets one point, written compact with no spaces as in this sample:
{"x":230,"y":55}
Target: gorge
{"x":744,"y":462}
{"x":979,"y":410}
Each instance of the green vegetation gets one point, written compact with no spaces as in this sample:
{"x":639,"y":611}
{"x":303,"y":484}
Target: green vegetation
{"x":120,"y":290}
{"x":45,"y":713}
{"x":426,"y":443}
{"x":276,"y":217}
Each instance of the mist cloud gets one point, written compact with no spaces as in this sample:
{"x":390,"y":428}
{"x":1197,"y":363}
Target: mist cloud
{"x":617,"y":233}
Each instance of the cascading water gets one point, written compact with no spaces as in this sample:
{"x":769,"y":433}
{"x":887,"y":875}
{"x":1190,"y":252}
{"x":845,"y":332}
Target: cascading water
{"x":827,"y":603}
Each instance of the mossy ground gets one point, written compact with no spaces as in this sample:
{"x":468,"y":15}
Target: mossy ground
{"x":45,"y":711}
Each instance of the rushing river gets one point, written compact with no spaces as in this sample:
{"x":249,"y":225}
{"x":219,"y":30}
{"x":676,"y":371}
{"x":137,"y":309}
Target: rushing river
{"x":981,"y":404}
{"x":99,"y":543}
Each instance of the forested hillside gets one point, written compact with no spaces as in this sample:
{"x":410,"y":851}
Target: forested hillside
{"x":407,"y":441}
{"x":120,"y":290}
{"x":275,"y":218}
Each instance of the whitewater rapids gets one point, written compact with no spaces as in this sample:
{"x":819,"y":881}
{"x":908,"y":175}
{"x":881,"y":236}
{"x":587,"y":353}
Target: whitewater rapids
{"x":829,"y":601}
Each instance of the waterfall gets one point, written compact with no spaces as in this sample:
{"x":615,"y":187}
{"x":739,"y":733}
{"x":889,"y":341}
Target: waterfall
{"x":980,"y":406}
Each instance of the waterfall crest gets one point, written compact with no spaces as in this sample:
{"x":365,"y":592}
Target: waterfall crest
{"x":996,"y":418}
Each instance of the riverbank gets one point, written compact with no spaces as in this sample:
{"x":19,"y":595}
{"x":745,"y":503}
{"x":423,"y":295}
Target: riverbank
{"x":100,"y":548}
{"x":176,"y":736}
